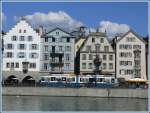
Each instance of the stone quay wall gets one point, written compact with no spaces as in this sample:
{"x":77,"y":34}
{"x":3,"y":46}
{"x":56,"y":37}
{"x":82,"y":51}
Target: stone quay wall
{"x":75,"y":92}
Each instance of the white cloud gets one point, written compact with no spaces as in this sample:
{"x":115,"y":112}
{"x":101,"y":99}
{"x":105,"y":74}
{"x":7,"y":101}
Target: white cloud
{"x":3,"y":17}
{"x":113,"y":28}
{"x":53,"y":19}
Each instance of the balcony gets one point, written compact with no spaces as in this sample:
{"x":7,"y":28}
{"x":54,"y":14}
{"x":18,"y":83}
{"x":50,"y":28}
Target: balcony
{"x":56,"y":62}
{"x":56,"y":53}
{"x":57,"y":70}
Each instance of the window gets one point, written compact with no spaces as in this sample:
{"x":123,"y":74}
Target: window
{"x":130,"y":39}
{"x":21,"y":55}
{"x":125,"y":63}
{"x":67,"y":66}
{"x":9,"y":46}
{"x":57,"y":33}
{"x":106,"y":48}
{"x":110,"y":57}
{"x":110,"y":66}
{"x":104,"y":65}
{"x":60,"y":48}
{"x":136,"y":46}
{"x":33,"y":55}
{"x":83,"y":65}
{"x":34,"y":46}
{"x":12,"y":65}
{"x":126,"y":54}
{"x":68,"y":39}
{"x":90,"y":65}
{"x":93,"y":39}
{"x":45,"y":65}
{"x":88,"y":48}
{"x":102,"y":40}
{"x":45,"y":56}
{"x":68,"y":48}
{"x":46,"y":48}
{"x":104,"y":57}
{"x":32,"y":65}
{"x":14,"y":38}
{"x":9,"y":54}
{"x":7,"y":65}
{"x":90,"y":56}
{"x":17,"y":65}
{"x":30,"y":38}
{"x":60,"y":40}
{"x":21,"y":46}
{"x":53,"y":49}
{"x":46,"y":39}
{"x":68,"y":57}
{"x":19,"y":30}
{"x":22,"y":38}
{"x":125,"y":46}
{"x":97,"y":47}
{"x":53,"y":39}
{"x":83,"y":56}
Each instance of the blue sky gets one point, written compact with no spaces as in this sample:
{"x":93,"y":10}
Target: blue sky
{"x":90,"y":14}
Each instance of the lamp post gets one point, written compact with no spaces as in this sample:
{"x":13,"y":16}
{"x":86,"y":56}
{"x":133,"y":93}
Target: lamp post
{"x":97,"y":63}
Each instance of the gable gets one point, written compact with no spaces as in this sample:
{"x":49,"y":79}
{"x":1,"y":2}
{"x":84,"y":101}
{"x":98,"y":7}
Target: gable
{"x":131,"y":34}
{"x":89,"y":42}
{"x":58,"y":32}
{"x":131,"y":37}
{"x":21,"y":26}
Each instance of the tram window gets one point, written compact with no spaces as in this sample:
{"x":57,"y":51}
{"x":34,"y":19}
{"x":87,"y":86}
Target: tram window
{"x":81,"y":79}
{"x":112,"y":80}
{"x":53,"y":78}
{"x":73,"y":79}
{"x":63,"y":78}
{"x":92,"y":79}
{"x":42,"y":78}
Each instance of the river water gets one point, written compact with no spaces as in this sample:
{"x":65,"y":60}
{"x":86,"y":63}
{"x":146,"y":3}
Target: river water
{"x":45,"y":103}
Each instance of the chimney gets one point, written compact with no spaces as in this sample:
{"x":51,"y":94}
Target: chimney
{"x":40,"y":30}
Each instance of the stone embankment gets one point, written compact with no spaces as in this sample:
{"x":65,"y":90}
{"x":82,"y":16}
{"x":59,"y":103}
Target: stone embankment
{"x":87,"y":92}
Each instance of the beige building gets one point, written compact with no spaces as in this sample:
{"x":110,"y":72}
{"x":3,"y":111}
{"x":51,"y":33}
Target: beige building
{"x":97,"y":44}
{"x":131,"y":57}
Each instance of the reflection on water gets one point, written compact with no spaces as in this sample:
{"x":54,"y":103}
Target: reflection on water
{"x":41,"y":103}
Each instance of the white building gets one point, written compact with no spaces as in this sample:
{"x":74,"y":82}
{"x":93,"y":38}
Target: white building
{"x":21,"y":58}
{"x":130,"y":56}
{"x":97,"y":44}
{"x":57,"y":52}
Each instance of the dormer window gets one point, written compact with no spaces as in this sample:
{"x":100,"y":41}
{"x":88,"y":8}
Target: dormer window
{"x":68,"y":39}
{"x":93,"y":39}
{"x":57,"y":33}
{"x":24,"y":31}
{"x":14,"y":38}
{"x":21,"y":38}
{"x":19,"y":30}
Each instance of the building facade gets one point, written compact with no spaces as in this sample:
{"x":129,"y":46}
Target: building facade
{"x":57,"y":52}
{"x":97,"y":44}
{"x":21,"y":56}
{"x":130,"y":56}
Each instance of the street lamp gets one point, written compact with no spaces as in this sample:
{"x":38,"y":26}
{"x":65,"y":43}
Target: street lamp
{"x":97,"y":63}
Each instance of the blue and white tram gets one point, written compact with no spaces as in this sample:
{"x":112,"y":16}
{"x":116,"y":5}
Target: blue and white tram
{"x":58,"y":80}
{"x":99,"y":81}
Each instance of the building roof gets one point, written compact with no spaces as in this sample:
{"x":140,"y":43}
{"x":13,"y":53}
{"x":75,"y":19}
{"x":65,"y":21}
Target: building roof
{"x":103,"y":34}
{"x":139,"y":37}
{"x":60,"y":30}
{"x":97,"y":34}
